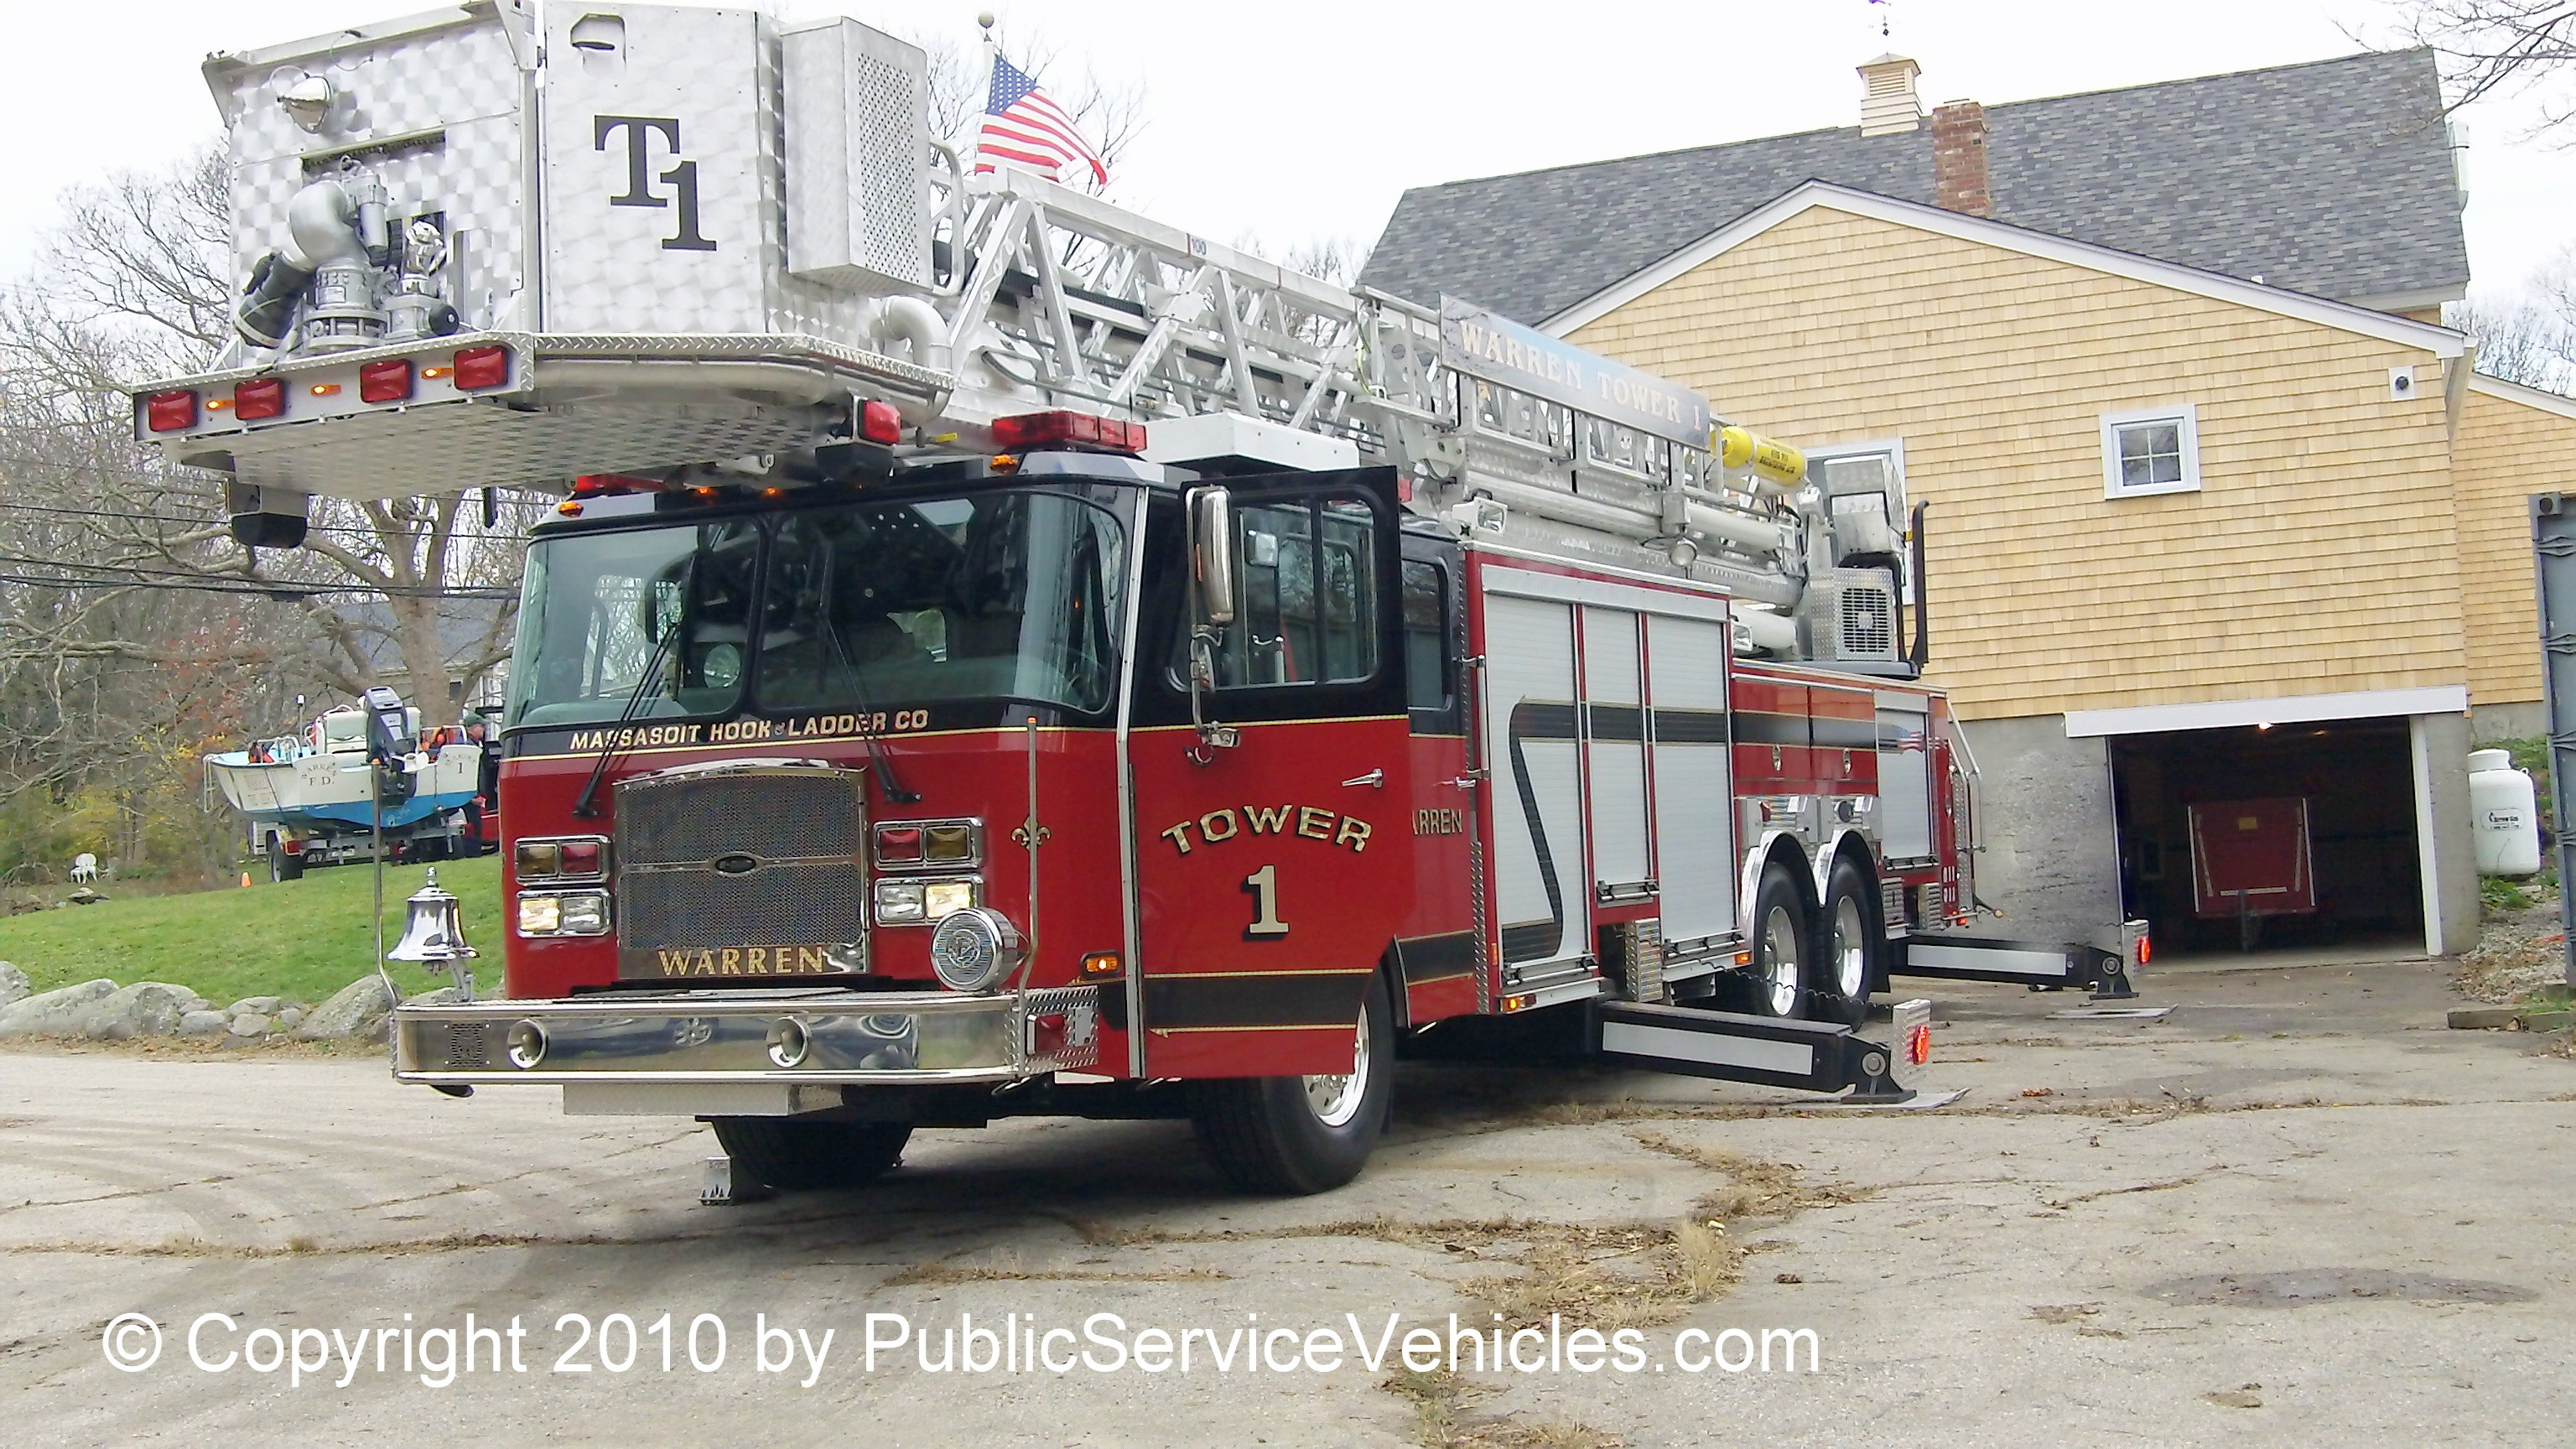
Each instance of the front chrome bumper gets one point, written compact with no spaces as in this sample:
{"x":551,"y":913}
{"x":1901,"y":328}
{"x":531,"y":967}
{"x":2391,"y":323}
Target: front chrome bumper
{"x":785,"y":1038}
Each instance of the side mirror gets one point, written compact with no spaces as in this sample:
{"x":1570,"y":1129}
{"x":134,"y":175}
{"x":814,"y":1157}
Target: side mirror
{"x":1211,"y":540}
{"x":1212,"y":553}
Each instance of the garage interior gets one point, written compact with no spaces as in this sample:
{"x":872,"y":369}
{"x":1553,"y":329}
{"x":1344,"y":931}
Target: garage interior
{"x":2358,"y":779}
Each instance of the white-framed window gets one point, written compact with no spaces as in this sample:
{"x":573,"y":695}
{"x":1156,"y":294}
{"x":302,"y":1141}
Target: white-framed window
{"x":2151,"y":450}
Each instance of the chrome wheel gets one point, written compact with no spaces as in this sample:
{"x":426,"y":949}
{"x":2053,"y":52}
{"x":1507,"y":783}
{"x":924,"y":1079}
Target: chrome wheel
{"x":1335,"y":1098}
{"x":1780,"y":954}
{"x":1851,"y":949}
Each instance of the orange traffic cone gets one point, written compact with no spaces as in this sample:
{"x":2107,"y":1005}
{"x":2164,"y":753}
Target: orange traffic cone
{"x":245,"y":885}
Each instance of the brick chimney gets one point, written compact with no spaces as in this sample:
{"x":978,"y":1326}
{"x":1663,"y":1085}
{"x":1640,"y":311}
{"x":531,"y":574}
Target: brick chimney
{"x":1887,"y":101}
{"x":1959,"y":177}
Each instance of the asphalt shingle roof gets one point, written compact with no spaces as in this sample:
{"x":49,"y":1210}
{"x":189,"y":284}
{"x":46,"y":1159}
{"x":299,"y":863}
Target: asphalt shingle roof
{"x":2332,"y":178}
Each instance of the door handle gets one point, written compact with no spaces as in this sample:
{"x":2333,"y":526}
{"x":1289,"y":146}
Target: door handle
{"x":1374,"y":779}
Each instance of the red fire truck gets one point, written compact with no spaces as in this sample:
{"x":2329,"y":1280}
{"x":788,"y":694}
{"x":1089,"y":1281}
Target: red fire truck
{"x":997,"y":654}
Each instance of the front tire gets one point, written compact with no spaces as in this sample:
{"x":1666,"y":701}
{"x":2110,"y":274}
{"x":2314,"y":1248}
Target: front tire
{"x":795,"y":1156}
{"x":1295,"y":1136}
{"x":1849,"y":946}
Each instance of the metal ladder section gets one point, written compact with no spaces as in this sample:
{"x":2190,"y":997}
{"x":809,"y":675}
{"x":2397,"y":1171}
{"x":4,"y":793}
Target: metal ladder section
{"x":1093,"y":303}
{"x":2553,"y":551}
{"x":1806,"y":1056}
{"x":1055,"y":298}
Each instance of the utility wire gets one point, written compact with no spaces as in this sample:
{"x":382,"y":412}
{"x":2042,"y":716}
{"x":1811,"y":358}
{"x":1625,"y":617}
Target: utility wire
{"x":143,"y":571}
{"x":212,"y":522}
{"x":284,"y":592}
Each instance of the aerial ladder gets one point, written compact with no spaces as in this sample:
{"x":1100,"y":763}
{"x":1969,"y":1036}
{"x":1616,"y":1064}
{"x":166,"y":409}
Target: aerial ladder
{"x":985,"y":296}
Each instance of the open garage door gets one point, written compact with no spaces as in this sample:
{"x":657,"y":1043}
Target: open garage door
{"x":2260,"y":836}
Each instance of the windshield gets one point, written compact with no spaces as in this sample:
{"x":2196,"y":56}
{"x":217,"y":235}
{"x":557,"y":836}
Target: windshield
{"x":862,"y":606}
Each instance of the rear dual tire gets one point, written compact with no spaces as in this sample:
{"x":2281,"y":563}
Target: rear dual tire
{"x":1852,"y":947}
{"x":1293,"y":1136}
{"x":1811,"y":965}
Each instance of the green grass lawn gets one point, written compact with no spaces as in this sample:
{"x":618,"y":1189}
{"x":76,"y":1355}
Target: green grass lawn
{"x":304,"y":939}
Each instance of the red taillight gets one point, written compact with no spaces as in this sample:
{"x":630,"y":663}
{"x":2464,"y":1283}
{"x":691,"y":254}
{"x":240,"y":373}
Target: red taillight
{"x":899,"y":844}
{"x":1068,"y":430}
{"x":591,"y":485}
{"x":386,"y":381}
{"x":480,"y":367}
{"x":880,"y":423}
{"x":265,"y":398}
{"x":2144,"y":948}
{"x":1918,"y":1045}
{"x":580,"y":857}
{"x":168,"y":412}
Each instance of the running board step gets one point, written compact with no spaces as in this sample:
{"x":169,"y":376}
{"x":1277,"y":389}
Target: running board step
{"x":2035,"y":963}
{"x":1807,"y":1056}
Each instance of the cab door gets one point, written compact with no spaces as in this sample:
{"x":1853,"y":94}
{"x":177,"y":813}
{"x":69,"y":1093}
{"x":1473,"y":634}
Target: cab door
{"x":1437,"y":954}
{"x":1273,"y":874}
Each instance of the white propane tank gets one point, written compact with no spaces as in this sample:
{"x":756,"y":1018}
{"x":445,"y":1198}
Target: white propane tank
{"x":2504,"y":815}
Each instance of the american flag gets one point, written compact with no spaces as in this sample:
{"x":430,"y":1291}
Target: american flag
{"x":1023,"y":127}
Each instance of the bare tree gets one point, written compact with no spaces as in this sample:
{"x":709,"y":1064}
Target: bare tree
{"x":2487,"y":47}
{"x":2520,"y":341}
{"x":2530,"y":337}
{"x":139,"y":284}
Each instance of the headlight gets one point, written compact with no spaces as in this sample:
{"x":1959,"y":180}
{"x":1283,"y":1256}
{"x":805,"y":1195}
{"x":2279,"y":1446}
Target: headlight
{"x":899,"y":903}
{"x":540,"y":915}
{"x":564,"y":913}
{"x":973,"y":949}
{"x":914,"y":902}
{"x":585,"y":913}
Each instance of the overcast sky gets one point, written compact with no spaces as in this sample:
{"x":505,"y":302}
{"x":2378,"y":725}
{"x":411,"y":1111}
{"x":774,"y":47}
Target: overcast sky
{"x":1292,"y":121}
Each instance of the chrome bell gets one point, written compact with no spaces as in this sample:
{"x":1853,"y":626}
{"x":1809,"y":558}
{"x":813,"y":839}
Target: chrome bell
{"x":432,"y":934}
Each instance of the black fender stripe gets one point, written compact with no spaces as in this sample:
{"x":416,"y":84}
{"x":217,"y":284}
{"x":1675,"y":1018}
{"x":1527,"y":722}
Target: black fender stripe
{"x":1260,"y":998}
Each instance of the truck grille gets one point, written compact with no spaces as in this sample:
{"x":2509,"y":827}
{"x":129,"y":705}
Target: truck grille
{"x":745,"y":872}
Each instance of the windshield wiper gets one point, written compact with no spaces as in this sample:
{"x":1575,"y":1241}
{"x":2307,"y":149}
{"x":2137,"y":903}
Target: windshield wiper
{"x":587,"y":806}
{"x":878,"y":758}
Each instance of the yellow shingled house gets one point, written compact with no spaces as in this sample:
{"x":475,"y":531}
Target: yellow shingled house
{"x":2217,"y":510}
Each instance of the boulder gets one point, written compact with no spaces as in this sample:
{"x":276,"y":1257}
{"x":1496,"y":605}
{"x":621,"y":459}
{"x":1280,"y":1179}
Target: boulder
{"x":13,"y":984}
{"x":54,"y":1013}
{"x":443,"y":996}
{"x":146,"y":1008}
{"x":249,"y":1024}
{"x":264,"y":1005}
{"x":357,"y":1010}
{"x":203,"y":1023}
{"x":287,"y":1017}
